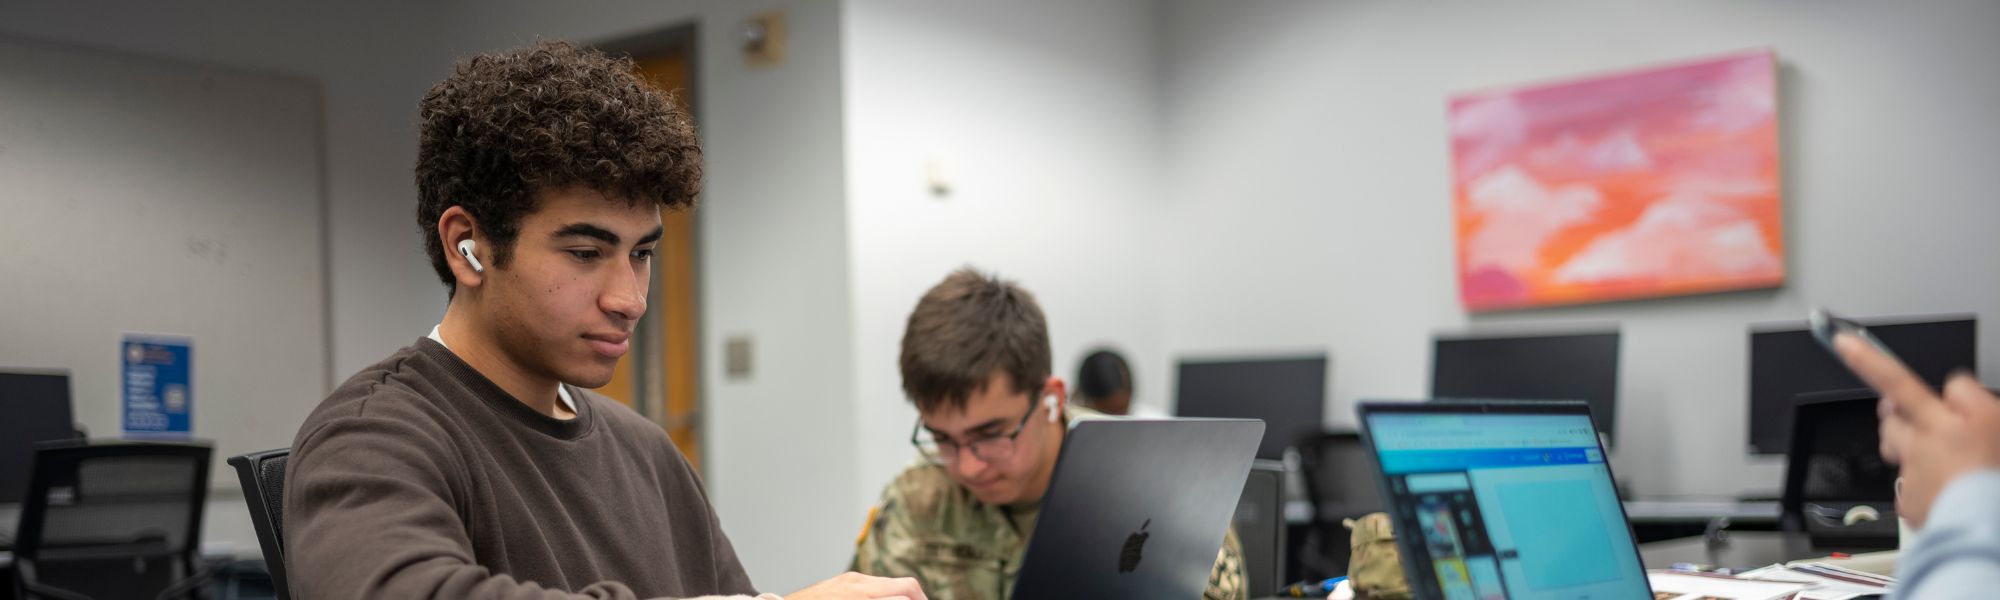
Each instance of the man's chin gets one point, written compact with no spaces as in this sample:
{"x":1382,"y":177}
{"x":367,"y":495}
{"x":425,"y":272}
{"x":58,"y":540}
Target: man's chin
{"x":592,"y":377}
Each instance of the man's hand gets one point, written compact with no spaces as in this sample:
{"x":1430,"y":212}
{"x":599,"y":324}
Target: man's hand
{"x":1935,"y":440}
{"x":855,"y":586}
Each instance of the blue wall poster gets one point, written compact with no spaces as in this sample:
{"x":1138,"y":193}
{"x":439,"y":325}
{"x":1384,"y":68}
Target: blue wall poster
{"x":159,"y":386}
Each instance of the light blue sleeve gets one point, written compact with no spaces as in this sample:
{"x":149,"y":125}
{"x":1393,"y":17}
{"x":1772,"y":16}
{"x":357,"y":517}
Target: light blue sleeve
{"x":1958,"y":553}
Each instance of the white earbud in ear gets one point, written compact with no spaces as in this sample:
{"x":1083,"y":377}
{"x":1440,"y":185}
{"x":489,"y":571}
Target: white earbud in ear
{"x":1049,"y":402}
{"x":465,"y":250}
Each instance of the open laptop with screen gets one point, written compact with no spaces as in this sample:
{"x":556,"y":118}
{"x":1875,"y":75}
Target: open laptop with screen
{"x":1503,"y":500}
{"x":1137,"y":508}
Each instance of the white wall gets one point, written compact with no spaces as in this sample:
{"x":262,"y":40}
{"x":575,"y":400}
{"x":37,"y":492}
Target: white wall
{"x":1043,"y":114}
{"x":151,"y":196}
{"x":373,"y":61}
{"x":1308,"y":189}
{"x":371,"y":65}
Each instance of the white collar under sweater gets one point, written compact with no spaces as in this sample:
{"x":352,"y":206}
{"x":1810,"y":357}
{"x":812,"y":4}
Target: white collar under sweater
{"x":561,"y":391}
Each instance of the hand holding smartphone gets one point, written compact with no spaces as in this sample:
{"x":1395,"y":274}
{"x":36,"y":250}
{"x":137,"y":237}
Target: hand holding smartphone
{"x":1886,"y":373}
{"x":1826,"y":325}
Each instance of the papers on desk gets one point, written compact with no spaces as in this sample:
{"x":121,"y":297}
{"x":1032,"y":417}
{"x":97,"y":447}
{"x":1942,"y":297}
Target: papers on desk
{"x":1882,"y":564}
{"x":1796,"y":581}
{"x":1676,"y":585}
{"x":1827,"y":581}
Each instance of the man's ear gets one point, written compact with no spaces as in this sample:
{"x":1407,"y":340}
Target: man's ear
{"x":1057,"y":391}
{"x":457,"y":225}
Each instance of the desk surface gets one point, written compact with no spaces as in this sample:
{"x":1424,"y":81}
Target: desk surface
{"x":1744,"y":550}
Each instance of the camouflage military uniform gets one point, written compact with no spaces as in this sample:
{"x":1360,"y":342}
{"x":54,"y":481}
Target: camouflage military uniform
{"x":958,"y":548}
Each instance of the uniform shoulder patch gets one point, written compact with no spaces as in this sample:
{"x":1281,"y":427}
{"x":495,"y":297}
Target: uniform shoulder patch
{"x":874,"y":512}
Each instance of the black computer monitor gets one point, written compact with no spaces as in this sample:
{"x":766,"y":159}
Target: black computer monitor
{"x":1786,"y":361}
{"x":36,"y":409}
{"x":1582,"y":366}
{"x":1288,"y":394}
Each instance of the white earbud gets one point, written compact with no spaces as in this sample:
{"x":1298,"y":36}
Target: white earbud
{"x":465,"y":250}
{"x":1049,"y":402}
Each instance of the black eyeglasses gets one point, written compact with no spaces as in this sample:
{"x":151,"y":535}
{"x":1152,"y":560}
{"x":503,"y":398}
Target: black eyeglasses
{"x":988,"y":449}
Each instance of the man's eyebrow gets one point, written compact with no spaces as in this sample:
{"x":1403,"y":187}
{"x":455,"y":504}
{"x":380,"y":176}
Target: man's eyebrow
{"x":589,"y":231}
{"x":654,"y":236}
{"x":982,"y":427}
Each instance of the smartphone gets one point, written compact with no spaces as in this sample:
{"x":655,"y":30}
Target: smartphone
{"x":1825,"y":325}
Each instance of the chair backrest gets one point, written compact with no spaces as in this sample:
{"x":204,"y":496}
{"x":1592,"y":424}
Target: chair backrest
{"x":1260,"y":526}
{"x":1834,"y":464}
{"x":111,"y":519}
{"x":263,"y":477}
{"x":1339,"y":477}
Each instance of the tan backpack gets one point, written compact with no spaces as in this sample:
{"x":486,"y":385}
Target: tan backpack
{"x":1375,"y":571}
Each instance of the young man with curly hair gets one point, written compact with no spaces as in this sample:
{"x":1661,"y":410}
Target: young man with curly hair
{"x":474,"y":463}
{"x":991,"y":416}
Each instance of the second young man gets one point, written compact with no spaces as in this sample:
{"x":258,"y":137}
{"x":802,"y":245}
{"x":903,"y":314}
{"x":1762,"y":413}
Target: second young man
{"x":976,"y":363}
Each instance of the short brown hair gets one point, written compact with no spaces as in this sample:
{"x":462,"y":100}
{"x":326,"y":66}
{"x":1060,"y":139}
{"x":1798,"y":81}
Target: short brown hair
{"x":507,"y":126}
{"x":964,"y":330}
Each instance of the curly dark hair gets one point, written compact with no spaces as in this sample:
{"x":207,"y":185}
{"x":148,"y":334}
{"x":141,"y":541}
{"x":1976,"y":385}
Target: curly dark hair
{"x":506,"y":126}
{"x":964,"y":330}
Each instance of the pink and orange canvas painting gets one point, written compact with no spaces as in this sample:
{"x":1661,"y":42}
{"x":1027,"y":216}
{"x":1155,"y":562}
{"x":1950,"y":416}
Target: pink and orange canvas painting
{"x":1656,"y":182}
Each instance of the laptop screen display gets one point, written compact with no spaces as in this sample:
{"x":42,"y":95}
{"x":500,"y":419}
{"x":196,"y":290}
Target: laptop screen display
{"x":1508,"y":506}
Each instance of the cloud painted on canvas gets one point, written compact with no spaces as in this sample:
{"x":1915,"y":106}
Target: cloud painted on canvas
{"x":1656,"y":182}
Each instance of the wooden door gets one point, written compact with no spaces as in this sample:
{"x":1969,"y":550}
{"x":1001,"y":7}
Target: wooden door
{"x":661,"y":379}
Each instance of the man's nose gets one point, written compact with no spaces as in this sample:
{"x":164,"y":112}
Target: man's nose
{"x":625,"y":297}
{"x":968,"y":463}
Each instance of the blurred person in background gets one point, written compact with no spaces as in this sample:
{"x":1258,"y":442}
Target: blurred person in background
{"x":1104,"y":382}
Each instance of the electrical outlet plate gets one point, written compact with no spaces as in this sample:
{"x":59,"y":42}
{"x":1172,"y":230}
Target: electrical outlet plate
{"x":736,"y":357}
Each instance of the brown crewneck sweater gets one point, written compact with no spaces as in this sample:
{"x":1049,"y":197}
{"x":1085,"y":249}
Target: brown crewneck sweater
{"x":420,"y":478}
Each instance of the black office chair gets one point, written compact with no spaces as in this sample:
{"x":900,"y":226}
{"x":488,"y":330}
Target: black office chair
{"x":1339,"y":477}
{"x":1260,"y":526}
{"x":112,"y":520}
{"x":1834,"y":465}
{"x":263,"y":477}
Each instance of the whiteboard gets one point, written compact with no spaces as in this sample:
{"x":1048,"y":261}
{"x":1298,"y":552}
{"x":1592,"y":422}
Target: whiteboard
{"x":145,"y":196}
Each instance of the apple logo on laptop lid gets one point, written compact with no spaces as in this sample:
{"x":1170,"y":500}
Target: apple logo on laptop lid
{"x":1128,"y":558}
